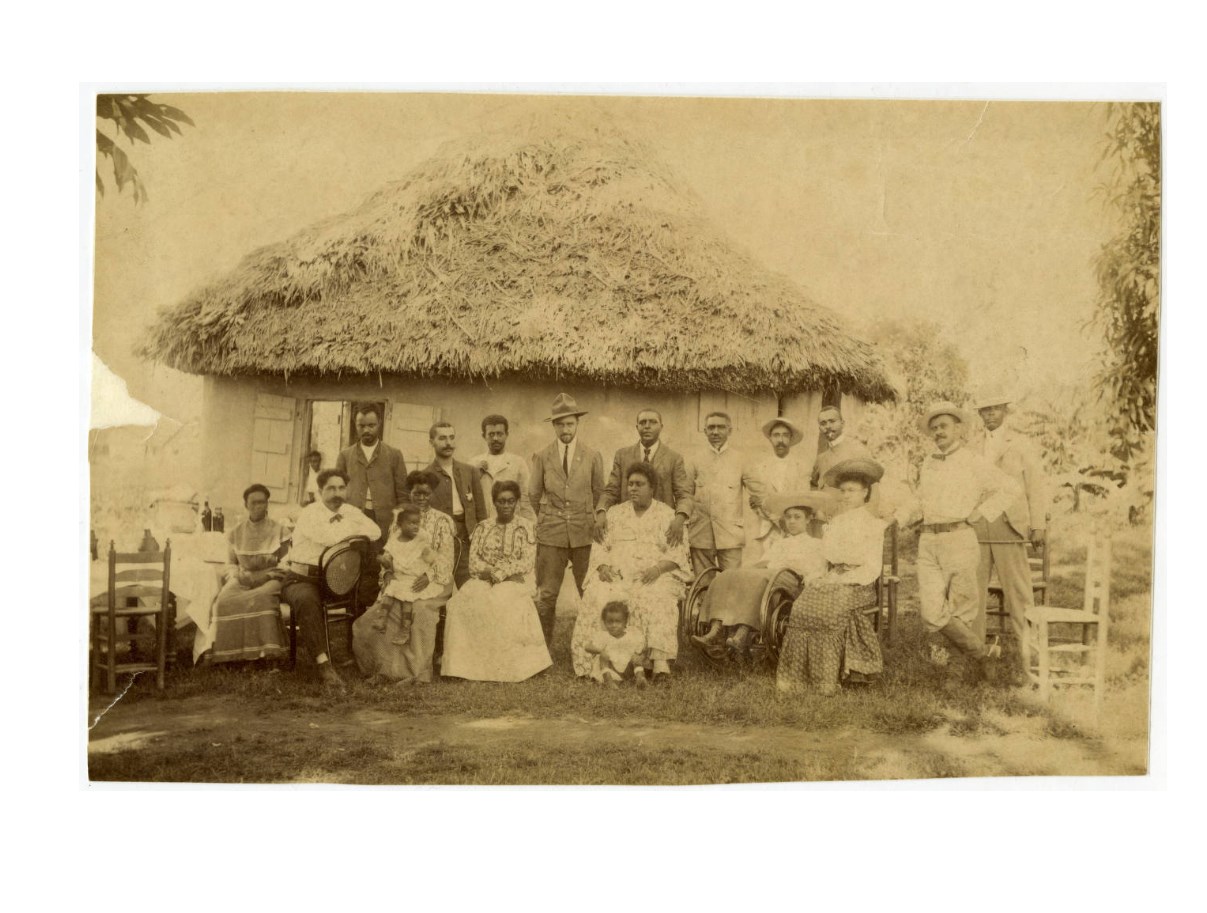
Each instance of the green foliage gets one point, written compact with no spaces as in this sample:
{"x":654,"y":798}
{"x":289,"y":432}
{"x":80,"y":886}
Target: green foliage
{"x":128,"y":114}
{"x":1128,"y":271}
{"x":929,"y":368}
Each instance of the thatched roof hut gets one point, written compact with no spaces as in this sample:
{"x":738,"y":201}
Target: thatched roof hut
{"x":566,"y":253}
{"x":510,"y":266}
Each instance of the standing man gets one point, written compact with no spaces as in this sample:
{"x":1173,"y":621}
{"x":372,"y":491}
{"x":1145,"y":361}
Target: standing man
{"x":957,"y":489}
{"x":325,"y":522}
{"x":459,"y":493}
{"x":839,"y":447}
{"x":498,"y":466}
{"x":567,"y":481}
{"x":1003,"y":541}
{"x":674,"y":489}
{"x":778,"y":474}
{"x":376,"y":472}
{"x":716,"y":532}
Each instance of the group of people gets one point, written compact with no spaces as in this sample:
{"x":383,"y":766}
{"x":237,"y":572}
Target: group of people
{"x":468,"y":559}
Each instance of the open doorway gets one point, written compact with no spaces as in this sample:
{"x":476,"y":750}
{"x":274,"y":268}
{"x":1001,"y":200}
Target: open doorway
{"x":332,"y":428}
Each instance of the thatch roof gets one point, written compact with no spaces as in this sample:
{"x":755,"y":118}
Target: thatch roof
{"x":561,"y":251}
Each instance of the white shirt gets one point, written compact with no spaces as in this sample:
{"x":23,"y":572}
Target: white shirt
{"x":566,"y":453}
{"x":653,"y":449}
{"x":951,"y":488}
{"x":995,"y":443}
{"x":369,"y":453}
{"x":316,"y":529}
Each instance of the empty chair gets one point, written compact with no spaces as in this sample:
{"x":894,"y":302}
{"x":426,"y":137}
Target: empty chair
{"x":137,"y":589}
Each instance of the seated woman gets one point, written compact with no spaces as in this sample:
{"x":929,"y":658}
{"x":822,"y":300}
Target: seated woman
{"x":389,"y":653}
{"x":829,"y":636}
{"x":247,"y":611}
{"x":637,"y":566}
{"x":492,"y":632}
{"x":733,"y":600}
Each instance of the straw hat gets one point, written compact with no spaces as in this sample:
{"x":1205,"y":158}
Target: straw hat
{"x":565,"y":405}
{"x":994,"y":396}
{"x":869,"y":470}
{"x":944,"y":407}
{"x":825,"y":502}
{"x":796,"y":434}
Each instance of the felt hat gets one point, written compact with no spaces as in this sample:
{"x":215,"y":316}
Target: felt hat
{"x":824,"y":502}
{"x":565,"y":405}
{"x":796,"y":434}
{"x":994,"y":396}
{"x":943,"y":407}
{"x":869,"y":470}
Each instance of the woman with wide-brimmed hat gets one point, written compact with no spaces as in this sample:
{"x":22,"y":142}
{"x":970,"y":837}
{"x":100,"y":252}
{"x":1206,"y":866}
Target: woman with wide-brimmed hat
{"x":829,"y":637}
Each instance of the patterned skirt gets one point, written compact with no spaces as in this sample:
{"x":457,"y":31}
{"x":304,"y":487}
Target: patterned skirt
{"x":829,"y":636}
{"x":247,"y":623}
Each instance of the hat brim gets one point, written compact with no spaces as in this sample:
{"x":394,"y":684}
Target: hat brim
{"x":554,"y":418}
{"x":868,"y":470}
{"x":955,"y":412}
{"x":986,"y":403}
{"x":796,"y":435}
{"x":818,"y":501}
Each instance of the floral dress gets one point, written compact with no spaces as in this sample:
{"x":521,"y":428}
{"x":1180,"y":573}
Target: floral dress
{"x":631,"y":544}
{"x":829,"y":636}
{"x":492,"y":632}
{"x":375,"y":651}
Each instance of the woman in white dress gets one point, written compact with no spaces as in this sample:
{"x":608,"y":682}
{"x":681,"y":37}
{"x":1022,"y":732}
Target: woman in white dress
{"x":492,"y":632}
{"x":636,"y":565}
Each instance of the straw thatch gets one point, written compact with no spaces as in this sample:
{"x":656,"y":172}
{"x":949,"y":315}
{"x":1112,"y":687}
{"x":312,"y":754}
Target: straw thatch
{"x":561,"y":252}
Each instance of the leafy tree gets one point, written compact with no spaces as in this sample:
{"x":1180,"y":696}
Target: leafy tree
{"x":128,"y":114}
{"x":928,"y":368}
{"x":1128,"y":270}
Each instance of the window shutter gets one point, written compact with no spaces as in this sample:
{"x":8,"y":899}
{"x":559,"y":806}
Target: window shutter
{"x":272,"y":443}
{"x":407,"y":430}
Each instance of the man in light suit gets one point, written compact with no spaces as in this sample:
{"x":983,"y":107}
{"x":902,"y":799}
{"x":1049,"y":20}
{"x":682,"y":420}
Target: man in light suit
{"x":674,"y":489}
{"x":1003,"y":539}
{"x":778,"y":474}
{"x":566,"y":481}
{"x":459,"y":493}
{"x":716,"y":531}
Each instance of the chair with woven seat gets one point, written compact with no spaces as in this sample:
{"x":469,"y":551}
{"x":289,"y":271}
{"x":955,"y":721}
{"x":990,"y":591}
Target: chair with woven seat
{"x":138,"y":588}
{"x":340,"y":569}
{"x":1068,"y":646}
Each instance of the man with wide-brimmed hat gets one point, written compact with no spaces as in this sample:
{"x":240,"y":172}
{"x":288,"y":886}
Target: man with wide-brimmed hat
{"x":956,"y":489}
{"x":780,"y":472}
{"x":567,"y":480}
{"x":1003,"y":540}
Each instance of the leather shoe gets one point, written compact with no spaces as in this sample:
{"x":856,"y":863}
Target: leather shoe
{"x":662,"y":678}
{"x":331,"y":680}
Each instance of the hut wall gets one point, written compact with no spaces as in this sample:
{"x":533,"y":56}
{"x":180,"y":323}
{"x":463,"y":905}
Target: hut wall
{"x":240,"y":413}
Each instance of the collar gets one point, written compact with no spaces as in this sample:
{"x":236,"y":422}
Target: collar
{"x":941,"y":456}
{"x":369,"y":451}
{"x":653,"y":448}
{"x":838,"y":440}
{"x":719,"y":450}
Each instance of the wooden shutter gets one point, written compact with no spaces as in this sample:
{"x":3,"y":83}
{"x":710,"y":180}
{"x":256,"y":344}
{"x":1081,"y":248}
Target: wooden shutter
{"x":407,"y":429}
{"x":272,"y":444}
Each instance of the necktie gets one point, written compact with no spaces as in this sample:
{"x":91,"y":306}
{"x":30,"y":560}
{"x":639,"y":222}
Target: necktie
{"x":335,"y":518}
{"x":938,"y":456}
{"x":647,"y":454}
{"x":566,"y":461}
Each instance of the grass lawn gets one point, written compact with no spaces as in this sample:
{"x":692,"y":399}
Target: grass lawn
{"x":248,"y":724}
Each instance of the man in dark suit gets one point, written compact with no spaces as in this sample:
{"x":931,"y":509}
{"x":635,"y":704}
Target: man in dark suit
{"x":567,"y":478}
{"x":459,"y":493}
{"x":674,"y":488}
{"x":377,"y":476}
{"x":377,"y":473}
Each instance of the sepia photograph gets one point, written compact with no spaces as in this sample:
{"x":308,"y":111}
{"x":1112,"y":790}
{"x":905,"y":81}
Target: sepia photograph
{"x":485,"y":438}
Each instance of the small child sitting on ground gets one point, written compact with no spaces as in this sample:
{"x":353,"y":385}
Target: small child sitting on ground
{"x":617,"y":648}
{"x":410,"y":560}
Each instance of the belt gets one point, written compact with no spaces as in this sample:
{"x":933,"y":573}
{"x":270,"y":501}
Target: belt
{"x":306,"y":570}
{"x":944,"y":527}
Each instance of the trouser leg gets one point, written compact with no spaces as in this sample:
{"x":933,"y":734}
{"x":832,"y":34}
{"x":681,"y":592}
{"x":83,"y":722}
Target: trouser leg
{"x":1014,"y":572}
{"x":932,"y":584}
{"x":461,"y":571}
{"x":580,"y":559}
{"x":550,"y":571}
{"x":702,"y":559}
{"x":960,"y":558}
{"x":304,"y":601}
{"x":729,"y":558}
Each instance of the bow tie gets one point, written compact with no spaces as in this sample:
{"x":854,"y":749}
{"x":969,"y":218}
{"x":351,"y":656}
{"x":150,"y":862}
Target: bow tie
{"x":939,"y":456}
{"x":335,"y":518}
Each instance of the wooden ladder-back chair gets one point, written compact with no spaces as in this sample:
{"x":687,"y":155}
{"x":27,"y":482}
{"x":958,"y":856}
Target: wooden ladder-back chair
{"x":1041,"y":571}
{"x":138,"y":588}
{"x":884,"y":613}
{"x":1056,"y":634}
{"x":341,"y":567}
